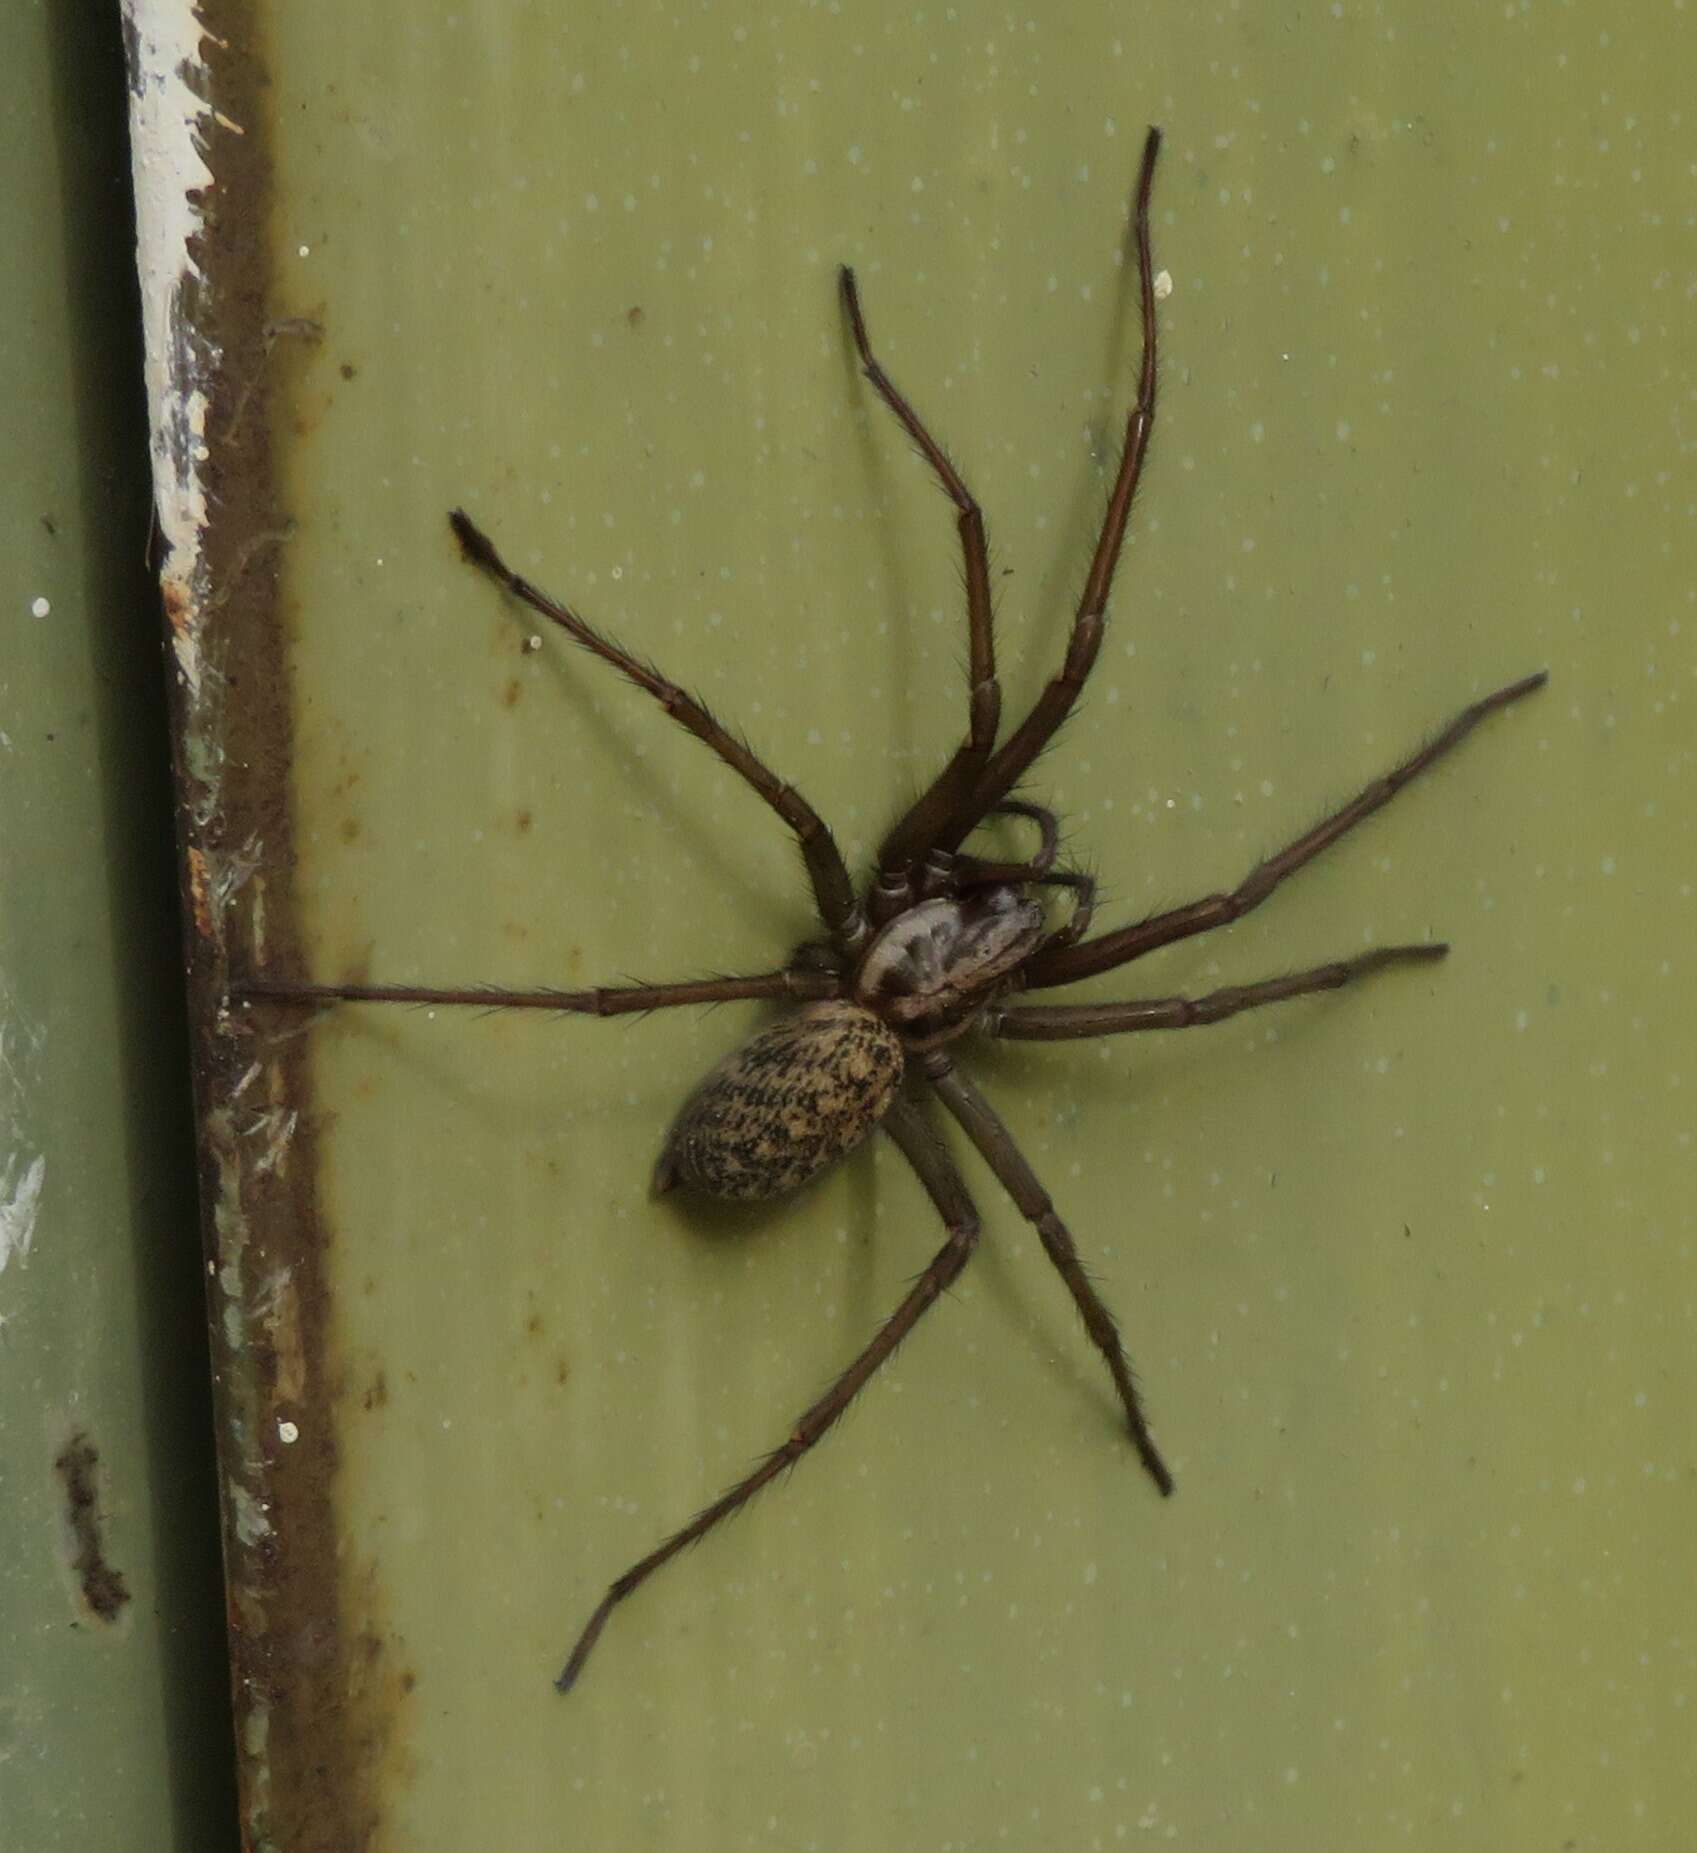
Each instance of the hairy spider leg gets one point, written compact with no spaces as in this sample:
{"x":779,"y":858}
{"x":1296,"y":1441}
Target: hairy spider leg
{"x":605,"y":1001}
{"x":936,"y":1171}
{"x":1083,"y":888}
{"x":833,"y":891}
{"x":984,"y":1127}
{"x":1013,"y":758}
{"x":1068,"y":964}
{"x":976,"y":871}
{"x":1068,"y":1022}
{"x":914,"y":832}
{"x":1049,"y":831}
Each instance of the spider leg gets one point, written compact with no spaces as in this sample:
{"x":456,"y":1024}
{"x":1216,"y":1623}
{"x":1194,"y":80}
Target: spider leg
{"x":1067,"y":1022}
{"x":607,"y":1001}
{"x":1067,"y":965}
{"x":946,"y":1190}
{"x":833,"y":892}
{"x":983,"y":1126}
{"x":1083,"y":905}
{"x":950,"y":868}
{"x":914,"y":832}
{"x":1014,"y":756}
{"x":1048,"y":830}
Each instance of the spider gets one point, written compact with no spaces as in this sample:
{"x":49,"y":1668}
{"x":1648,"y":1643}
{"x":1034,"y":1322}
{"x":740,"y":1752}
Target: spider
{"x":937,"y":946}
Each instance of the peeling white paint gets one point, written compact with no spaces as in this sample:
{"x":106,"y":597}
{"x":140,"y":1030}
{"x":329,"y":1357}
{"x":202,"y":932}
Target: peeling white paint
{"x":20,"y":1198}
{"x":167,"y":123}
{"x":275,"y":1127}
{"x":22,"y":1175}
{"x":252,"y":1526}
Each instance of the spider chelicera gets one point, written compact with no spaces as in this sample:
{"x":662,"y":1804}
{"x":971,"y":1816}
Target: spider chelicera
{"x":937,"y":946}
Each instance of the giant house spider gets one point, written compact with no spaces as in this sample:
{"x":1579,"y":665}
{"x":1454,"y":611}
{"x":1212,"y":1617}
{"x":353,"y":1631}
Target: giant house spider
{"x":938,"y":946}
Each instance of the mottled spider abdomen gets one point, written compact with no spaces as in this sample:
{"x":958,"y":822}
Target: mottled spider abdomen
{"x":784,"y":1106}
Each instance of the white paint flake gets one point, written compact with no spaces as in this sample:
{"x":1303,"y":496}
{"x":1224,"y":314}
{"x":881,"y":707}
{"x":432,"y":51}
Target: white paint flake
{"x":20,"y":1198}
{"x":168,"y":123}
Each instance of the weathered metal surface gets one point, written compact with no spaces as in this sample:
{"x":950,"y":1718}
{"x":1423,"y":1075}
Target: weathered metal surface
{"x":113,"y":1690}
{"x":576,"y":273}
{"x":217,"y":367}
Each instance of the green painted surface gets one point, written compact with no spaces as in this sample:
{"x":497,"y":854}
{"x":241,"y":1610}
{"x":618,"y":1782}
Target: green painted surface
{"x":113,"y":1734}
{"x":1408,"y":1273}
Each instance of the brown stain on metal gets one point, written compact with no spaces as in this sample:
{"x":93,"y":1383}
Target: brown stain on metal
{"x":282,"y":1323}
{"x":322,"y":1698}
{"x":381,"y":1685}
{"x":100,"y":1584}
{"x":200,"y":906}
{"x":179,"y":615}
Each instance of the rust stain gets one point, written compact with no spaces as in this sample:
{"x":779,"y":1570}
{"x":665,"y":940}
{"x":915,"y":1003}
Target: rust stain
{"x":322,"y":1694}
{"x":102,"y":1587}
{"x":288,"y":1348}
{"x":511,"y":692}
{"x":199,"y":907}
{"x":384,"y":1681}
{"x":179,"y":614}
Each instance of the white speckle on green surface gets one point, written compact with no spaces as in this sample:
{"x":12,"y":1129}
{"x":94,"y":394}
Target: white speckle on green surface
{"x":1400,"y":562}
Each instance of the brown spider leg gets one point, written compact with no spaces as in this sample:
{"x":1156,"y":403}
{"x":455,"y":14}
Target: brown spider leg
{"x":978,"y":869}
{"x":985,"y":1129}
{"x":607,"y":1001}
{"x":972,"y":872}
{"x":944,"y":872}
{"x":1048,"y":830}
{"x":912,"y":834}
{"x":1083,"y":906}
{"x":1066,"y":1022}
{"x":943,"y":1184}
{"x":1014,"y":756}
{"x":1214,"y":910}
{"x":833,"y":892}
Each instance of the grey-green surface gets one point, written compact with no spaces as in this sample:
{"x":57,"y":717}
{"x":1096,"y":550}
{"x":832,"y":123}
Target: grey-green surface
{"x":1407,"y":1272}
{"x":111,"y":1735}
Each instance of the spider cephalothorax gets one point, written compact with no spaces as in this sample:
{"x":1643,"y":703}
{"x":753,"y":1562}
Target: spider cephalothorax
{"x":935,"y":968}
{"x":805,"y":1092}
{"x":934,"y":948}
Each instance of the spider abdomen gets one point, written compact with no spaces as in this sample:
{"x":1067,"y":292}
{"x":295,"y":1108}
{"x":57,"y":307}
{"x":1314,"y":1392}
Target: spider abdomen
{"x":784,"y":1106}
